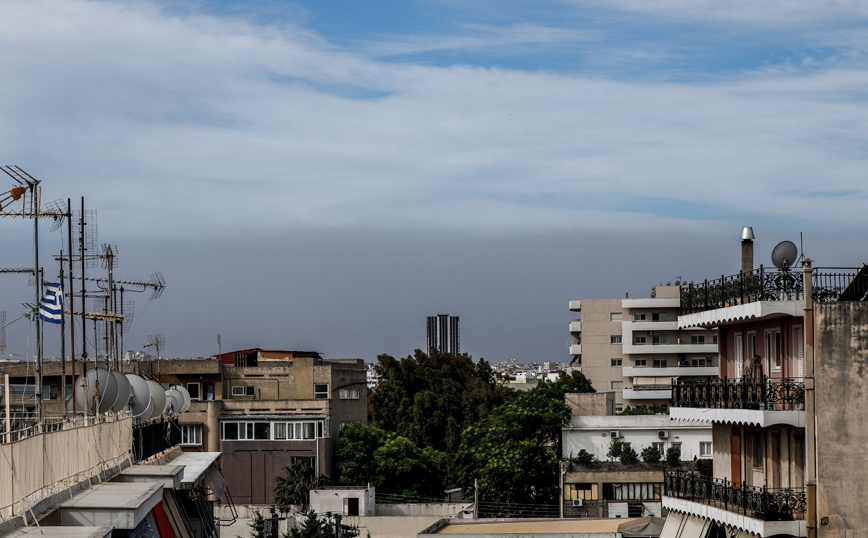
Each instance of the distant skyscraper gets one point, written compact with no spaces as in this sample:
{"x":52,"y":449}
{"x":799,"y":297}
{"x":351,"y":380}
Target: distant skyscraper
{"x":443,"y":334}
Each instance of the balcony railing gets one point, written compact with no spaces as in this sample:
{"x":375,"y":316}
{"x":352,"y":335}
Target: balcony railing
{"x":767,"y":504}
{"x":745,"y":393}
{"x":762,"y":285}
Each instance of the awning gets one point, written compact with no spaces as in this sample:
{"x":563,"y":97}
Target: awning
{"x":684,"y":526}
{"x":195,"y":464}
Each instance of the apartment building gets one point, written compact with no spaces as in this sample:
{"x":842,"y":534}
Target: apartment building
{"x":634,"y":347}
{"x":265,"y":409}
{"x":786,"y":410}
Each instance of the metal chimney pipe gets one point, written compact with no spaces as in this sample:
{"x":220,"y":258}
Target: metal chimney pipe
{"x":747,"y":238}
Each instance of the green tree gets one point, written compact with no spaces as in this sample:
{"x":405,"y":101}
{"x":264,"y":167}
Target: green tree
{"x":646,"y":410}
{"x":628,"y":455}
{"x":313,"y":527}
{"x":651,"y":454}
{"x":673,"y":455}
{"x":431,"y":398}
{"x":294,"y":487}
{"x":513,"y":452}
{"x":257,"y":526}
{"x":615,"y":449}
{"x":390,"y":462}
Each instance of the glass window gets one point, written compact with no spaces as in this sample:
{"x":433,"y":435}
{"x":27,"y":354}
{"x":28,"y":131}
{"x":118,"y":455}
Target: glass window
{"x":658,"y":340}
{"x":617,"y":362}
{"x":321,"y":391}
{"x":639,"y":316}
{"x":298,"y":430}
{"x":659,"y":363}
{"x":714,"y":339}
{"x":49,"y":392}
{"x":705,"y":449}
{"x":698,"y":362}
{"x":248,"y":430}
{"x":615,"y":316}
{"x":661,"y":447}
{"x":261,"y":430}
{"x":616,"y":339}
{"x":191,"y":434}
{"x":308,"y":430}
{"x":697,"y":339}
{"x":639,"y":340}
{"x":280,"y":430}
{"x":349,"y":394}
{"x":193,"y":389}
{"x":243,"y":391}
{"x":641,"y":362}
{"x":230,"y":430}
{"x":319,"y":429}
{"x":617,"y":385}
{"x":658,"y":316}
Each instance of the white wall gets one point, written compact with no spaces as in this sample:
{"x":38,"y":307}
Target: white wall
{"x":592,"y":434}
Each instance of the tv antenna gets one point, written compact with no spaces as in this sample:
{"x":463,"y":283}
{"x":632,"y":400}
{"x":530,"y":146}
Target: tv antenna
{"x":158,"y":341}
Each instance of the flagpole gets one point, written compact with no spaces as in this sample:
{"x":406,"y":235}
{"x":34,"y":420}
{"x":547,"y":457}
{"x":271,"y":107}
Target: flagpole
{"x":34,"y":212}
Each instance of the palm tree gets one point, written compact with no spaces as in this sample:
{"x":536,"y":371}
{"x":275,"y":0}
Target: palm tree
{"x":295,"y":486}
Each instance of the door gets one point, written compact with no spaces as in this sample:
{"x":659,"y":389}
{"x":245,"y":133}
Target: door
{"x":735,"y":451}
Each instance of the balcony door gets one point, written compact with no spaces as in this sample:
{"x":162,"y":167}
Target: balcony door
{"x":735,"y":452}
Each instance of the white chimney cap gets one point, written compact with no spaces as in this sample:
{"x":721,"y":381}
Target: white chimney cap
{"x":747,"y":234}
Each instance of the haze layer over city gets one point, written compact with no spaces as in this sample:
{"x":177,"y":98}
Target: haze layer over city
{"x":324,"y":175}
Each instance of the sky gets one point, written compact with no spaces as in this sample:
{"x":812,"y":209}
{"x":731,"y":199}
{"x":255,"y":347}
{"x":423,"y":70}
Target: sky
{"x":322,"y":176}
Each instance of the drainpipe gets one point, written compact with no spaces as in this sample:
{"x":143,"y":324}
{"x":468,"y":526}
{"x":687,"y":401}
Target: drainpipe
{"x":810,"y":412}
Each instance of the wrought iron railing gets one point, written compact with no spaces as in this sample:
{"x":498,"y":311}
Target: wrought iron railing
{"x":745,"y":393}
{"x":762,"y":285}
{"x":767,"y":504}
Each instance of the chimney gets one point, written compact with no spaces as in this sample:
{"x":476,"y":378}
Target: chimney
{"x":747,"y":249}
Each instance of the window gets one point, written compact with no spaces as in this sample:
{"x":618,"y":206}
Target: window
{"x":280,"y":430}
{"x":661,"y":447}
{"x":209,"y":392}
{"x":349,"y":394}
{"x":619,"y":408}
{"x":714,"y":339}
{"x":641,"y":362}
{"x":617,"y":385}
{"x":640,"y":340}
{"x":658,"y":340}
{"x":585,"y":492}
{"x":639,"y":316}
{"x":191,"y":434}
{"x":705,"y":449}
{"x":615,"y":316}
{"x":617,"y":362}
{"x":261,"y":431}
{"x":193,"y":389}
{"x":49,"y":392}
{"x":230,"y":430}
{"x":243,"y":391}
{"x":345,"y":424}
{"x":659,"y":363}
{"x":321,"y":391}
{"x":308,"y":430}
{"x":773,"y":348}
{"x":698,"y":362}
{"x":697,"y":339}
{"x":616,"y":339}
{"x":658,"y":316}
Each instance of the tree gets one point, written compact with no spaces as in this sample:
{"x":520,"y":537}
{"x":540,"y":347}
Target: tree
{"x":313,"y":527}
{"x":513,"y":452}
{"x":257,"y":526}
{"x":294,"y":487}
{"x":615,"y":449}
{"x":628,"y":455}
{"x":651,"y":454}
{"x":673,"y":455}
{"x":431,"y":398}
{"x":390,"y":462}
{"x":646,"y":410}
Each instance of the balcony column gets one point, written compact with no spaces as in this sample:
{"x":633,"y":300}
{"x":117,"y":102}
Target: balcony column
{"x":810,"y":413}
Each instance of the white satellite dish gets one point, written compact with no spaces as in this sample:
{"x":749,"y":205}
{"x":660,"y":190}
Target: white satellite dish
{"x":187,"y":400}
{"x":88,"y":385}
{"x":174,"y":400}
{"x":158,"y":399}
{"x":123,"y":388}
{"x":140,"y":396}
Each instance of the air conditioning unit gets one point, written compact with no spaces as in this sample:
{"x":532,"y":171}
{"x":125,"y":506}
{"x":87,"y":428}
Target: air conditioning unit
{"x":663,"y":434}
{"x":614,"y":434}
{"x":577,"y":502}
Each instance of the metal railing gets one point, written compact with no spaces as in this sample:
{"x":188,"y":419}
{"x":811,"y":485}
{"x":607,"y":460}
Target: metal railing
{"x":767,"y":504}
{"x":763,"y":285}
{"x":745,"y":393}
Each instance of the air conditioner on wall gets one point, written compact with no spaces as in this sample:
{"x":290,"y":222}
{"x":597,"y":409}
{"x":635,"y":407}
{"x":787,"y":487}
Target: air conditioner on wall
{"x":614,"y":434}
{"x":663,"y":434}
{"x":577,"y":502}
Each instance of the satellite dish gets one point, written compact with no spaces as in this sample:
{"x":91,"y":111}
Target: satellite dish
{"x":123,"y":385}
{"x":174,"y":401}
{"x":185,"y":405}
{"x":158,"y":399}
{"x":784,"y":255}
{"x":86,"y":391}
{"x":140,"y":395}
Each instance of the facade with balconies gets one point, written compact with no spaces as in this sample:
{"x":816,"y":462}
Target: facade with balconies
{"x":635,"y":348}
{"x":785,"y":410}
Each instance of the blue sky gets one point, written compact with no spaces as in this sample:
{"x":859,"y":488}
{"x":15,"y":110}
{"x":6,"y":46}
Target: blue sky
{"x":382,"y":161}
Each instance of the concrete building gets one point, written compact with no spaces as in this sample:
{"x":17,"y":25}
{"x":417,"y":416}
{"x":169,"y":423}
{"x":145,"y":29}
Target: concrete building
{"x":444,"y":334}
{"x":634,"y":347}
{"x":610,"y":489}
{"x":266,"y":409}
{"x":786,"y":409}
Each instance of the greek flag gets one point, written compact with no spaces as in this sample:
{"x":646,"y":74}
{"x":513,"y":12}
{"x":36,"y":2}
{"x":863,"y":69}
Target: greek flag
{"x":51,"y":302}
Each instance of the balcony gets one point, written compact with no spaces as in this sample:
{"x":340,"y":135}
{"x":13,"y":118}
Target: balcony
{"x":688,"y":371}
{"x":762,"y":402}
{"x":630,"y":348}
{"x":760,"y":510}
{"x":648,"y":392}
{"x":646,"y":325}
{"x":576,"y":326}
{"x":764,"y":285}
{"x":575,"y":349}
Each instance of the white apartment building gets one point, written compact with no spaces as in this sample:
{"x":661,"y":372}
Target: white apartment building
{"x":634,"y":347}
